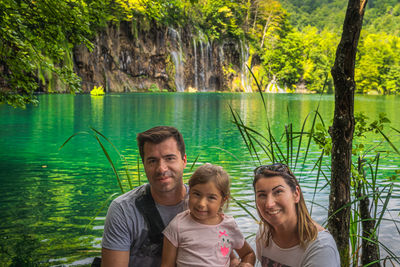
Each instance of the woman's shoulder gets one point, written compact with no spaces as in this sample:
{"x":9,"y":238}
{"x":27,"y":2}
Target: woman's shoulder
{"x":322,"y":250}
{"x":319,"y":227}
{"x":325,"y":237}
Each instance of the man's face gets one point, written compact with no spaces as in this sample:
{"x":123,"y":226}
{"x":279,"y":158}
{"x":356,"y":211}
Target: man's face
{"x":164,"y":165}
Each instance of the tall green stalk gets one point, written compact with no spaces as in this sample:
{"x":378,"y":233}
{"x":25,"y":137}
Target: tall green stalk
{"x":95,"y":133}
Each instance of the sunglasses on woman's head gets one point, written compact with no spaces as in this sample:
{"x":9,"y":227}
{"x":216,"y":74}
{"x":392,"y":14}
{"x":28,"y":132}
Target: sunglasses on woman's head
{"x":276,"y":167}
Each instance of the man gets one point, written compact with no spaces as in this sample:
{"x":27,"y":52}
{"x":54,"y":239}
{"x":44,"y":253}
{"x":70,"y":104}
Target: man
{"x":132,"y":231}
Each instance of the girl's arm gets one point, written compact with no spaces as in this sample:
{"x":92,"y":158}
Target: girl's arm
{"x":247,"y":256}
{"x":168,"y":254}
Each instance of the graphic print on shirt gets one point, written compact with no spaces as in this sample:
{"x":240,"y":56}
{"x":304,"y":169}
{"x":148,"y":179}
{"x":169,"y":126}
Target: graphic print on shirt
{"x":224,"y":244}
{"x":267,"y":262}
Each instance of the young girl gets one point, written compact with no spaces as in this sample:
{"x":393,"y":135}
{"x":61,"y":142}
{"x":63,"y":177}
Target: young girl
{"x":203,"y":235}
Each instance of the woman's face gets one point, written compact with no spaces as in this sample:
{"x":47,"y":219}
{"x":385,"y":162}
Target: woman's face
{"x":276,"y":202}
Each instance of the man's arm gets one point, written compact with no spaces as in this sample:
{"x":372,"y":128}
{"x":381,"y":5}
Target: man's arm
{"x":114,"y":258}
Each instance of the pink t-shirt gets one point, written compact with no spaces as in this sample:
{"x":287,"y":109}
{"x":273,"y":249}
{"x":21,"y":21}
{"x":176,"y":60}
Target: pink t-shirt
{"x":203,"y":245}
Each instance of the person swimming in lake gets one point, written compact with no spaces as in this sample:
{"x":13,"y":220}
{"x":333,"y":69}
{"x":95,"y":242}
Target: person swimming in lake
{"x":204,"y":235}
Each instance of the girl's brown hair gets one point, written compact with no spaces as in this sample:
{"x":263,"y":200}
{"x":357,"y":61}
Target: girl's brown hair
{"x":212,"y":173}
{"x":306,"y":229}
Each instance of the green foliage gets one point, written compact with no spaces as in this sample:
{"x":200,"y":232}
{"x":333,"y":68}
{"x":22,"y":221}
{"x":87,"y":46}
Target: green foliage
{"x":36,"y":42}
{"x":154,"y":88}
{"x":318,"y":58}
{"x":306,"y":54}
{"x":318,"y":24}
{"x":282,"y":57}
{"x":222,"y":18}
{"x":216,"y":18}
{"x":276,"y":42}
{"x":378,"y":64}
{"x":37,"y":39}
{"x":380,"y":16}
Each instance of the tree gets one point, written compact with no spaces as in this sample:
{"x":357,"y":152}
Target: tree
{"x":343,"y":127}
{"x":36,"y":40}
{"x":378,"y":64}
{"x":318,"y":56}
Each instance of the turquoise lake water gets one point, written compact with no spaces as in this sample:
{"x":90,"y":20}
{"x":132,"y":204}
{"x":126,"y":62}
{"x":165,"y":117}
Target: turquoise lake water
{"x":48,"y":196}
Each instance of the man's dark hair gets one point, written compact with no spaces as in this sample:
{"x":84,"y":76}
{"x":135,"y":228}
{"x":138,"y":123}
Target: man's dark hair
{"x":159,"y":134}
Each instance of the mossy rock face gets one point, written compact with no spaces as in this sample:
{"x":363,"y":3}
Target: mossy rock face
{"x":170,"y":69}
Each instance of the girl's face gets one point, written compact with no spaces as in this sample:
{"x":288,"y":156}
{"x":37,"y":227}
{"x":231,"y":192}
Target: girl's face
{"x":205,"y":201}
{"x":276,"y":202}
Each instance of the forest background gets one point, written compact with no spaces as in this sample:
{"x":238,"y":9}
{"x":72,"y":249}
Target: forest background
{"x":291,"y":42}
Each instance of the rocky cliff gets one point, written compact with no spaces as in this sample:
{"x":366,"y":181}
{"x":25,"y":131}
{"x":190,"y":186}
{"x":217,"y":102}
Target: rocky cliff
{"x":138,"y":57}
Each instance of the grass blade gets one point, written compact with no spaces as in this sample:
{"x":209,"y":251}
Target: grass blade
{"x":126,"y":165}
{"x":194,"y":162}
{"x":387,"y":140}
{"x":258,"y":88}
{"x":69,"y":138}
{"x":111,"y":162}
{"x":100,"y":209}
{"x":244,"y":208}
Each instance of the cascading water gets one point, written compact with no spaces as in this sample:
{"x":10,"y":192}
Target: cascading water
{"x":273,"y":87}
{"x":177,"y":58}
{"x":203,"y":63}
{"x":196,"y":82}
{"x":203,"y":66}
{"x":208,"y":59}
{"x":244,"y":54}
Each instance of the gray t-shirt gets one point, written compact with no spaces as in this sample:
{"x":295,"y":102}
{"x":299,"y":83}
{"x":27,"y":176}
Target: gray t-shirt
{"x":321,"y":252}
{"x":125,"y":228}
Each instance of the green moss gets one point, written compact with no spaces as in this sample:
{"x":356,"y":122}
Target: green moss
{"x":170,"y":69}
{"x":154,"y":88}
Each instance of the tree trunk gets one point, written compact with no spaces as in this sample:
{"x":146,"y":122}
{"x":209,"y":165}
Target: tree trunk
{"x":370,"y":251}
{"x":343,"y":128}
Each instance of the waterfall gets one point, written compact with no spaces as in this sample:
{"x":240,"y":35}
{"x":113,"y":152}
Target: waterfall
{"x":273,"y":87}
{"x":210,"y":68}
{"x":210,"y":58}
{"x":177,"y":58}
{"x":244,"y":54}
{"x":196,"y":83}
{"x":202,"y":72}
{"x":221,"y":54}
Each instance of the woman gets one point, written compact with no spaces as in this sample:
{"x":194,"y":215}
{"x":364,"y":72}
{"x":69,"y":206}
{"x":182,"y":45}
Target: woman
{"x":287,"y":235}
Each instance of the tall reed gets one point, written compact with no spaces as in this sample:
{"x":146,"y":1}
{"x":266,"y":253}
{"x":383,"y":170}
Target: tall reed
{"x":100,"y":138}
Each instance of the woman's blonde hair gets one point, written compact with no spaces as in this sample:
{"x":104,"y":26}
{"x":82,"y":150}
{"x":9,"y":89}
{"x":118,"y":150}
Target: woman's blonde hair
{"x":212,"y":173}
{"x":306,"y":229}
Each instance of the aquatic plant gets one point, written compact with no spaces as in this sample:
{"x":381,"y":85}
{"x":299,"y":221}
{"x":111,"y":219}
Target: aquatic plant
{"x":97,"y":91}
